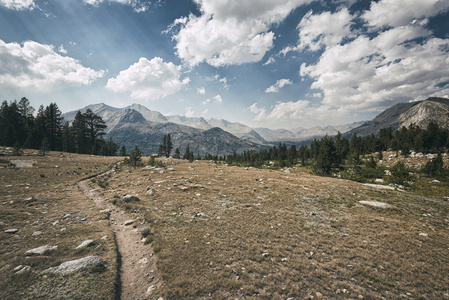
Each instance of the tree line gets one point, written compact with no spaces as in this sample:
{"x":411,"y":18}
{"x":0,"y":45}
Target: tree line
{"x":47,"y":131}
{"x":337,"y":153}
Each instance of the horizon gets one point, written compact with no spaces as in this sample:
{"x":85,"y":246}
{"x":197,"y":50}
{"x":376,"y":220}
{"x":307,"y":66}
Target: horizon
{"x":276,"y":64}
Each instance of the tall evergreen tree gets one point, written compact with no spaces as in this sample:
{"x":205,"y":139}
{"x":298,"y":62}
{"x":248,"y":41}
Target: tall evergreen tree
{"x":53,"y":126}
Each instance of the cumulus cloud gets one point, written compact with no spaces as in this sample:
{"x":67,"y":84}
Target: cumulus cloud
{"x":369,"y":73}
{"x":278,"y":85}
{"x":378,"y":68}
{"x":138,"y":5}
{"x":215,"y":99}
{"x":18,"y":4}
{"x":316,"y":31}
{"x":201,"y":91}
{"x":402,"y":12}
{"x":300,"y":112}
{"x":230,"y":32}
{"x":40,"y":66}
{"x":149,"y":79}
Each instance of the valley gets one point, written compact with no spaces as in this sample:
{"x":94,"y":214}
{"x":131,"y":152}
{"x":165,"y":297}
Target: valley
{"x":214,"y":231}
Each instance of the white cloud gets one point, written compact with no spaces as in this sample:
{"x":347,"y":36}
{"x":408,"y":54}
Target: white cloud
{"x":62,"y":50}
{"x":278,"y":85}
{"x":149,"y":79}
{"x":18,"y":4}
{"x":298,"y":113}
{"x":317,"y":31}
{"x":201,"y":91}
{"x":138,"y":5}
{"x":269,"y":61}
{"x":371,"y":73}
{"x":39,"y":66}
{"x":215,"y":99}
{"x":230,"y":32}
{"x":402,"y":12}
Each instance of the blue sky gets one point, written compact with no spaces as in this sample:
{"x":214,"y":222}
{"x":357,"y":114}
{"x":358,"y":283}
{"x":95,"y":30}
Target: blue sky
{"x":265,"y":63}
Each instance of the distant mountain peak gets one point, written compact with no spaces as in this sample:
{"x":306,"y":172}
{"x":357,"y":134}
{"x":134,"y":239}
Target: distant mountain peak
{"x":420,"y":113}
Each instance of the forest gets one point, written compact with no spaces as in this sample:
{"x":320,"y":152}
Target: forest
{"x":47,"y":131}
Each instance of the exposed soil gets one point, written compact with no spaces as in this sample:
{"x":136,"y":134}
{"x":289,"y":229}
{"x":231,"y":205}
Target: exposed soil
{"x":137,"y":275}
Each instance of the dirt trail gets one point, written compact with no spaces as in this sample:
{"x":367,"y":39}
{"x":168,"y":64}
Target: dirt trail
{"x":137,"y":270}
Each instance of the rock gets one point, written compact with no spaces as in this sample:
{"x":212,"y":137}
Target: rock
{"x":29,"y":200}
{"x":130,"y":198}
{"x":150,"y":191}
{"x":22,"y":269}
{"x":85,"y":243}
{"x":150,"y":290}
{"x":423,"y":234}
{"x":75,"y":266}
{"x":375,"y":204}
{"x":41,"y":250}
{"x":11,"y":231}
{"x":36,"y":233}
{"x":129,"y":222}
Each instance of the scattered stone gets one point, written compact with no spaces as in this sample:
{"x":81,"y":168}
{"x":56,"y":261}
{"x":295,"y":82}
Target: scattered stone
{"x":36,"y":233}
{"x":375,"y":204}
{"x":150,"y":191}
{"x":75,"y":266}
{"x":41,"y":250}
{"x":318,"y":295}
{"x":129,"y":222}
{"x":265,"y":254}
{"x":150,"y":290}
{"x":86,"y":243}
{"x":22,"y":269}
{"x":130,"y":198}
{"x":423,"y":234}
{"x":104,"y":237}
{"x":29,"y":200}
{"x":11,"y":231}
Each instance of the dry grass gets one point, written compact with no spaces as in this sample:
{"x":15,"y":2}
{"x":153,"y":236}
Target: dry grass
{"x":64,"y":217}
{"x":226,"y":232}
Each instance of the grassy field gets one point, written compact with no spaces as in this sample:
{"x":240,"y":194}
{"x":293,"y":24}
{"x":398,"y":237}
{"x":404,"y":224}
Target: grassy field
{"x":59,"y":214}
{"x":228,"y":232}
{"x":223,"y":232}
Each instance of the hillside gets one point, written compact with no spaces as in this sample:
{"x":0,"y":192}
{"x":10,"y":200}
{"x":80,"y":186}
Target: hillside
{"x":420,"y":113}
{"x":137,"y":125}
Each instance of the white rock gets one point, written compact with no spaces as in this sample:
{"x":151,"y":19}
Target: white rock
{"x":85,"y":243}
{"x":376,"y":204}
{"x":41,"y":250}
{"x":11,"y":231}
{"x":75,"y":266}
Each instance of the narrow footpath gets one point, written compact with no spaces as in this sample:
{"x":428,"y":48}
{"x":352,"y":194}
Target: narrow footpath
{"x":138,"y":277}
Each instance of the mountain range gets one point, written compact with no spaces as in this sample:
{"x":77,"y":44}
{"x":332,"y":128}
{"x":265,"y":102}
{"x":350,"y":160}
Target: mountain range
{"x":138,"y":125}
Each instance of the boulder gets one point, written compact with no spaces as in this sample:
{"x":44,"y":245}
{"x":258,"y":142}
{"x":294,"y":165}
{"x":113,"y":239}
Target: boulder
{"x":85,"y":243}
{"x":130,"y":198}
{"x":375,"y":204}
{"x":41,"y":250}
{"x":75,"y":266}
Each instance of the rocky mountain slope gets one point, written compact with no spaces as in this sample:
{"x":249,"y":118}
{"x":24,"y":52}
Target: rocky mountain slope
{"x":137,"y":125}
{"x":420,"y":113}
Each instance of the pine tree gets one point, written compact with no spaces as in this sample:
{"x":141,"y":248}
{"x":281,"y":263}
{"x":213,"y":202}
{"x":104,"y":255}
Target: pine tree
{"x":122,"y":151}
{"x":95,"y":127}
{"x":177,"y":153}
{"x":168,"y":146}
{"x":80,"y":135}
{"x":187,"y":152}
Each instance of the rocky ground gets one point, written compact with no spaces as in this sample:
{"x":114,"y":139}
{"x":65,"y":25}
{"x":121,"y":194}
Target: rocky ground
{"x":208,"y":231}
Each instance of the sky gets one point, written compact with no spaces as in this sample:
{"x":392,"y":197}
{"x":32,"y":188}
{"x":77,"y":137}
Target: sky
{"x":265,"y":63}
